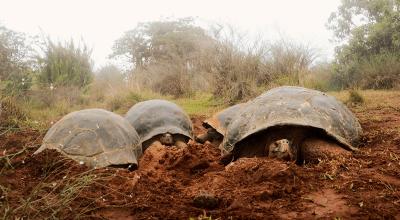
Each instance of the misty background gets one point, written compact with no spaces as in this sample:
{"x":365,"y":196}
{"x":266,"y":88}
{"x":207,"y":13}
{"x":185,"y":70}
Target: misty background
{"x":100,"y":23}
{"x":60,"y":56}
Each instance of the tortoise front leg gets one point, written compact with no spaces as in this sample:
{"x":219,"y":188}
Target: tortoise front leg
{"x":202,"y":138}
{"x":317,"y":149}
{"x":227,"y":158}
{"x":156,"y":142}
{"x":297,"y":150}
{"x":212,"y":136}
{"x":180,"y":141}
{"x":150,"y":143}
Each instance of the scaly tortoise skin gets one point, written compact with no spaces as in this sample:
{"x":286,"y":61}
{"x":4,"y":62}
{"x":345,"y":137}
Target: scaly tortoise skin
{"x":160,"y":121}
{"x":95,"y":137}
{"x":217,"y":124}
{"x":294,"y":114}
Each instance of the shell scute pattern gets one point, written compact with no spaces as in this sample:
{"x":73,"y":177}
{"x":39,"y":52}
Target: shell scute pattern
{"x":298,"y":106}
{"x":95,"y":137}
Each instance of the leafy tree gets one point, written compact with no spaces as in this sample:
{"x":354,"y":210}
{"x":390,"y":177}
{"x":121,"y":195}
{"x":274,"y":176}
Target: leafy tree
{"x":109,"y":73}
{"x":15,"y":62}
{"x":165,"y":54}
{"x":161,"y":41}
{"x":369,"y":31}
{"x":65,"y":65}
{"x":289,"y":59}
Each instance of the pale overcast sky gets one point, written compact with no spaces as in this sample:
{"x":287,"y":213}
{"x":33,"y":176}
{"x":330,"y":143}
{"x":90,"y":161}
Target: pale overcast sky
{"x":101,"y":22}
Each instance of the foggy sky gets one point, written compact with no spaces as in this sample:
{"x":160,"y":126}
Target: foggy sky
{"x":100,"y":23}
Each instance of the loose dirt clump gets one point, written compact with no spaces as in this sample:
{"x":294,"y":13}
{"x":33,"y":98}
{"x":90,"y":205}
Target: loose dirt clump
{"x":174,"y":183}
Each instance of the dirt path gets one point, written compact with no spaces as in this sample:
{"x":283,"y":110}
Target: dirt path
{"x":174,"y":183}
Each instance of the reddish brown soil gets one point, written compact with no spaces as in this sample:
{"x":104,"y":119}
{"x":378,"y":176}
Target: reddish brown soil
{"x":365,"y":185}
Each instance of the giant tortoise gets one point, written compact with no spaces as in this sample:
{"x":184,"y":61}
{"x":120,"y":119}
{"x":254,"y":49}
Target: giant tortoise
{"x":217,"y":124}
{"x":160,"y":122}
{"x":96,"y":138}
{"x":294,"y":123}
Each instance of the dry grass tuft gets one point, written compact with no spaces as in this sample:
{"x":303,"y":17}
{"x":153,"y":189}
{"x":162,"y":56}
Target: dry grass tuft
{"x":355,"y":98}
{"x":11,"y":114}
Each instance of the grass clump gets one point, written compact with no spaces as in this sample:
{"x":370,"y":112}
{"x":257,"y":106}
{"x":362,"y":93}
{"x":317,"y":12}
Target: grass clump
{"x":11,"y":114}
{"x":200,"y":104}
{"x":355,"y":98}
{"x":121,"y":102}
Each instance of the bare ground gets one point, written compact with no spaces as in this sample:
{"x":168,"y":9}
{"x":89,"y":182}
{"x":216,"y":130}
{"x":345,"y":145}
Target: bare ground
{"x":176,"y":183}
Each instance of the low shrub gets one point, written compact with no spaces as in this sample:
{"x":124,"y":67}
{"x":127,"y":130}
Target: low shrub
{"x":355,"y":98}
{"x":11,"y":114}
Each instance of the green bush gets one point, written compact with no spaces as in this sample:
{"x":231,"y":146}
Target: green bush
{"x":65,"y":65}
{"x":121,"y":102}
{"x":11,"y":114}
{"x":355,"y":98}
{"x":15,"y":63}
{"x":369,"y":57}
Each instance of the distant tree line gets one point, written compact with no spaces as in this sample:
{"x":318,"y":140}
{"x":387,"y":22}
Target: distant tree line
{"x":179,"y":57}
{"x":369,"y":54}
{"x":50,"y":65}
{"x":15,"y":66}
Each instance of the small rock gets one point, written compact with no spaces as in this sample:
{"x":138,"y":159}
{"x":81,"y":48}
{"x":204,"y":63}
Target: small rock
{"x":271,"y":194}
{"x":288,"y":189}
{"x":266,"y":195}
{"x":202,"y":165}
{"x":205,"y":201}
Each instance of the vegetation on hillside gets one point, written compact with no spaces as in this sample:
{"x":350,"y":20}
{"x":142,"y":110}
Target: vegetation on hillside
{"x":15,"y":62}
{"x":178,"y":59}
{"x":369,"y":58}
{"x":202,"y":69}
{"x":65,"y":65}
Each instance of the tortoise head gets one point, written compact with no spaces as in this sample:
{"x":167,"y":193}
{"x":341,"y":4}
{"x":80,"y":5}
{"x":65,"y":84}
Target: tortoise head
{"x":211,"y":135}
{"x":167,"y":139}
{"x":280,"y":149}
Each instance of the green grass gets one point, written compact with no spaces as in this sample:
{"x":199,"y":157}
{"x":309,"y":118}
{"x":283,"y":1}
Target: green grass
{"x":197,"y":104}
{"x":372,"y":98}
{"x":200,"y":104}
{"x":41,"y":117}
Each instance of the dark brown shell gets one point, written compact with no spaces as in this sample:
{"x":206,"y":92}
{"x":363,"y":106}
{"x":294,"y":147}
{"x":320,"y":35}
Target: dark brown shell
{"x":294,"y":106}
{"x":95,"y":137}
{"x":220,"y":120}
{"x":154,"y":117}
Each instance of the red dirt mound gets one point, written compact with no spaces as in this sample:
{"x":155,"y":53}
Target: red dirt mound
{"x":173,"y":183}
